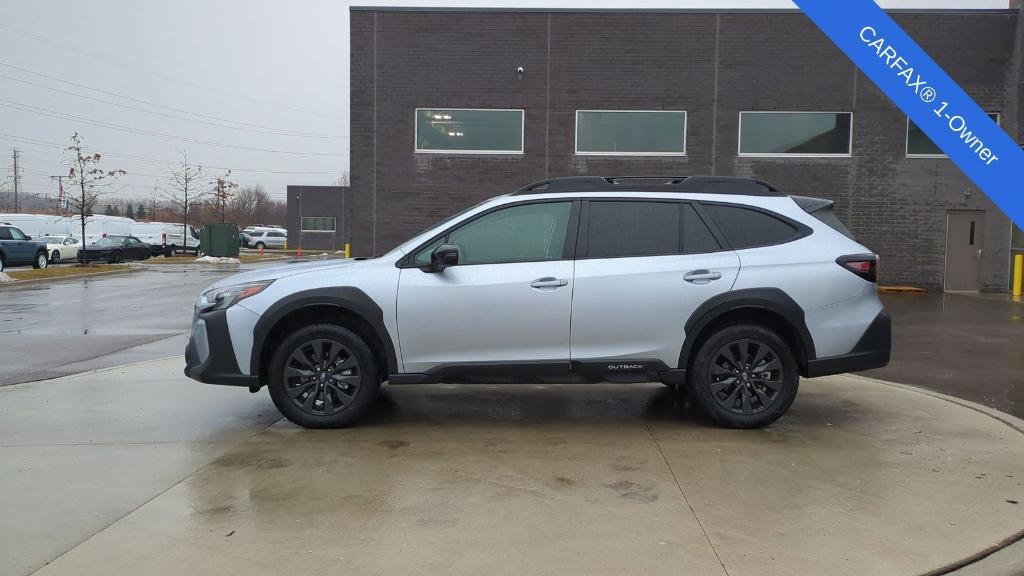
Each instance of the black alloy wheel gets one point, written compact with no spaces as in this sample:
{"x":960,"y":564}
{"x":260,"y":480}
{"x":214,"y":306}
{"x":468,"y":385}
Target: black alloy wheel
{"x":746,"y":377}
{"x":322,"y":377}
{"x":55,"y":257}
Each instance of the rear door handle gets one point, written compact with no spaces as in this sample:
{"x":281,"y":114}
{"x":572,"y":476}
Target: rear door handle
{"x":548,"y":282}
{"x":701,"y":276}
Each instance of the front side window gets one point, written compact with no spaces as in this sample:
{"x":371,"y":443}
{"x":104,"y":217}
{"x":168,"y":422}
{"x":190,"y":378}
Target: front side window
{"x":631,"y":133}
{"x":746,"y":228}
{"x":795,"y":133}
{"x":527,"y":233}
{"x":318,"y":224}
{"x":468,"y":131}
{"x":620,"y":229}
{"x":16,"y":234}
{"x":920,"y":145}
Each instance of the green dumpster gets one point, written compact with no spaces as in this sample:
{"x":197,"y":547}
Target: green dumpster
{"x":219,"y":239}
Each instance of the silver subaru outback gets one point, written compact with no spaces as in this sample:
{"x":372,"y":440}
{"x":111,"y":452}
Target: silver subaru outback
{"x":724,"y":287}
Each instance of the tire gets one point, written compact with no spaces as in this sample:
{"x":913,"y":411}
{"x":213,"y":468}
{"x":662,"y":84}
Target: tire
{"x":41,"y":261}
{"x":299,"y":396}
{"x":173,"y":251}
{"x":2,"y":263}
{"x":114,"y":258}
{"x":738,"y":395}
{"x":260,"y":246}
{"x":55,"y":257}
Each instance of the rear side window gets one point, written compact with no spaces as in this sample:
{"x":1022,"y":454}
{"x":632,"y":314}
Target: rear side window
{"x":5,"y":233}
{"x":617,"y":229}
{"x":746,"y":228}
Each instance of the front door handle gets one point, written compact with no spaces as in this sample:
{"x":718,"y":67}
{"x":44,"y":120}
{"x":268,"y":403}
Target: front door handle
{"x":548,"y":282}
{"x":702,"y":276}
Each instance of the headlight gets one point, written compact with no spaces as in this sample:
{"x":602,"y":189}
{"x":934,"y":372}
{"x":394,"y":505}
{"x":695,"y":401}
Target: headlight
{"x":227,"y":296}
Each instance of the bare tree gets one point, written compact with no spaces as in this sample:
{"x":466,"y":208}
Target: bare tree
{"x":84,"y":173}
{"x":183,"y":190}
{"x":249,"y":205}
{"x":221,"y":190}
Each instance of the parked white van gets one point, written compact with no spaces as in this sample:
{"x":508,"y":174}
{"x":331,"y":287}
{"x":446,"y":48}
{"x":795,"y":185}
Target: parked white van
{"x":167,"y":238}
{"x":99,"y":226}
{"x":39,"y":225}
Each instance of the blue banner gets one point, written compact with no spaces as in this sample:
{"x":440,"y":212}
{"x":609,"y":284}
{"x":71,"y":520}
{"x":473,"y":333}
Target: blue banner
{"x":908,"y":76}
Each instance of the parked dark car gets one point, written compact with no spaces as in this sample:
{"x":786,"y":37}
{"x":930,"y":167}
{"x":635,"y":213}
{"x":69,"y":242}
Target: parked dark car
{"x":115,"y":249}
{"x":18,"y":249}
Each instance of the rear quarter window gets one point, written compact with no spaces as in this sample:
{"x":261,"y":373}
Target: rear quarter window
{"x":748,"y":228}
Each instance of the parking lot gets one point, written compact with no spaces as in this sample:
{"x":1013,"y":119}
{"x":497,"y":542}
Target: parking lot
{"x":143,"y":470}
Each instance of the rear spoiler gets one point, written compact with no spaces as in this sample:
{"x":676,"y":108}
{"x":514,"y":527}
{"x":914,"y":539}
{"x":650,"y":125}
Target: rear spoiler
{"x":821,"y":209}
{"x":812,"y":205}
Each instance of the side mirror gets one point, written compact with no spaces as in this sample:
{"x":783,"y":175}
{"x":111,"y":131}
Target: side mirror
{"x":27,"y":237}
{"x":442,"y":257}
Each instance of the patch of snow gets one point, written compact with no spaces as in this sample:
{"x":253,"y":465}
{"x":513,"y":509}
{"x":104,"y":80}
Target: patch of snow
{"x":4,"y":278}
{"x":218,"y":260}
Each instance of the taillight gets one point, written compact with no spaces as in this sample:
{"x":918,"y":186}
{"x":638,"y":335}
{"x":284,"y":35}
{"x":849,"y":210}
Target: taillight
{"x":863,"y":265}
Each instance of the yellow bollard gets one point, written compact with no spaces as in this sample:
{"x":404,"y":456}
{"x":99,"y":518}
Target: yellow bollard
{"x":348,"y":250}
{"x":1018,"y":273}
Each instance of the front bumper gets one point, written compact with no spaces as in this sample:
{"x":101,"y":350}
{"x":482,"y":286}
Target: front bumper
{"x":871,"y":351}
{"x":209,"y":357}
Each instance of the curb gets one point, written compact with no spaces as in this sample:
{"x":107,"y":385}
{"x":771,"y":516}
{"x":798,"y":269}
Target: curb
{"x":17,"y":283}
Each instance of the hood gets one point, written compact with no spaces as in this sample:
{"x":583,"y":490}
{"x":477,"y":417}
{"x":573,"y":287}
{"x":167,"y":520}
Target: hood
{"x":282,"y":271}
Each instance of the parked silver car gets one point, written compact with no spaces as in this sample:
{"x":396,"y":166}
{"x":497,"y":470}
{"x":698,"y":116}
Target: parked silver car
{"x":266,"y":239}
{"x":725,"y":286}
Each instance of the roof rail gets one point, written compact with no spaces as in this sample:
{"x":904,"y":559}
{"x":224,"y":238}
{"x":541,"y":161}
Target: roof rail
{"x":695,"y":184}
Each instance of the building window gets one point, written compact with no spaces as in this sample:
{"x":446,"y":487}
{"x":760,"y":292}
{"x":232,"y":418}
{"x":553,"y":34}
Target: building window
{"x":796,"y":133}
{"x":919,"y":145}
{"x":631,"y":132}
{"x":318,"y":224}
{"x":464,"y":131}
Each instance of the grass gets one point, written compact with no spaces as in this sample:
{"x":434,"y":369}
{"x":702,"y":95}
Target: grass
{"x":189,"y":259}
{"x":54,"y":272}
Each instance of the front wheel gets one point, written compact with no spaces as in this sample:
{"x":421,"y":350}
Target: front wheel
{"x":55,"y":257}
{"x":114,"y":258}
{"x":260,"y":246}
{"x":41,"y":261}
{"x":323,"y":376}
{"x":744,"y":376}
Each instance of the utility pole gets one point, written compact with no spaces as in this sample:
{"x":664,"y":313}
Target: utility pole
{"x":61,"y":204}
{"x":17,"y":179}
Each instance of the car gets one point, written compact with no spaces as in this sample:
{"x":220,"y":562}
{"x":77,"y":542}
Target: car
{"x":114,"y":249}
{"x":18,"y":249}
{"x":265,"y":238}
{"x":61,"y":248}
{"x":725,"y":288}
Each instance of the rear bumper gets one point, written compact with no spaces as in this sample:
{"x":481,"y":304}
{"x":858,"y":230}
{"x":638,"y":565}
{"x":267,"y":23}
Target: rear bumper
{"x":209,"y":357}
{"x":871,"y":351}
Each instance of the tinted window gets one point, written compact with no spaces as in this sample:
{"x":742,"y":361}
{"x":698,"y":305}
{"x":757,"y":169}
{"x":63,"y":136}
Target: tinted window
{"x":828,"y":216}
{"x":16,"y":234}
{"x":697,"y":238}
{"x":745,"y":228}
{"x":529,"y":233}
{"x":469,"y":131}
{"x":809,"y":133}
{"x":5,"y":233}
{"x":919,"y":144}
{"x":633,"y":229}
{"x":630,"y":132}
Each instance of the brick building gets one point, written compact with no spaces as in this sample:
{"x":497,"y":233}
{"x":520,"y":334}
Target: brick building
{"x":452,"y":106}
{"x":316,"y":217}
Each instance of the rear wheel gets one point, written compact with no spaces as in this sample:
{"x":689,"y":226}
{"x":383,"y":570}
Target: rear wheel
{"x":260,"y":245}
{"x":2,"y":263}
{"x":41,"y":260}
{"x":745,"y":376}
{"x":115,"y":258}
{"x":55,"y":257}
{"x":323,"y":376}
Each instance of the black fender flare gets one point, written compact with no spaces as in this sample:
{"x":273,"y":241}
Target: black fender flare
{"x":771,"y":299}
{"x":347,"y":298}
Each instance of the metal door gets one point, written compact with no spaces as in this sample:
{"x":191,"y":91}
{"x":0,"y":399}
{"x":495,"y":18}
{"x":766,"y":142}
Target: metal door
{"x":965,"y":239}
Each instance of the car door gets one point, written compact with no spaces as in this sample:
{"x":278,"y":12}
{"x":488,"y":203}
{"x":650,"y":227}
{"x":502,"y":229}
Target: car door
{"x":69,"y":249}
{"x":19,"y":248}
{"x":643,"y":267}
{"x":508,"y":299}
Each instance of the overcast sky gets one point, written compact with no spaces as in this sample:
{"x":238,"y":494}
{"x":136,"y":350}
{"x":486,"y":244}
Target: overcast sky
{"x":259,"y":86}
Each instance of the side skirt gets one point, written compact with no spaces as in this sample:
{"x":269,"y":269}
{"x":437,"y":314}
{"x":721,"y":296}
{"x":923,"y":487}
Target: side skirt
{"x":553,"y":372}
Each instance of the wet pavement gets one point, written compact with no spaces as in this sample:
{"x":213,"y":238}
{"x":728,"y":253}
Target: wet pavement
{"x":138,"y":470}
{"x":968,"y":346}
{"x":64,"y":327}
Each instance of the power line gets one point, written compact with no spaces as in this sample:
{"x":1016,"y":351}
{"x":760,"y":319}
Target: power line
{"x":54,"y":145}
{"x":111,"y":126}
{"x":241,"y":125}
{"x":80,"y":51}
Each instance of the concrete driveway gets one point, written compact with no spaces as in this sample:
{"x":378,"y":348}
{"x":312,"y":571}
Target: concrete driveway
{"x":138,"y":470}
